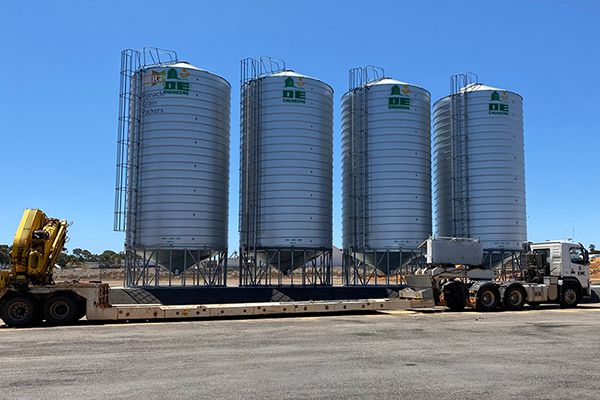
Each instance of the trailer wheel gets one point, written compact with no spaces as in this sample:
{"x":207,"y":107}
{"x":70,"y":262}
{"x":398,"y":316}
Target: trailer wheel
{"x":515,"y":298}
{"x":61,"y":309}
{"x":569,"y":296}
{"x":488,"y":298}
{"x":455,"y":296}
{"x":19,"y":311}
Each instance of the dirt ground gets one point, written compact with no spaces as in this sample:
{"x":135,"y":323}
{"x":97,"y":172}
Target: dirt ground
{"x":90,"y":272}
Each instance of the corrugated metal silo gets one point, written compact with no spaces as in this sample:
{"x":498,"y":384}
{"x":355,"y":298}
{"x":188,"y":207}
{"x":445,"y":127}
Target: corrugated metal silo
{"x":386,"y":170}
{"x":286,"y":167}
{"x":178,"y":164}
{"x":478,"y":166}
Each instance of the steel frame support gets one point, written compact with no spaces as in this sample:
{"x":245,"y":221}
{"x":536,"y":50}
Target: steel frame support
{"x":357,"y":271}
{"x":142,"y":268}
{"x":265,"y":267}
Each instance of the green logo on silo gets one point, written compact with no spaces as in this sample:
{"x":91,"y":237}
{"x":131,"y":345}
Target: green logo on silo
{"x":175,"y":84}
{"x":399,"y":99}
{"x":293,"y":92}
{"x":498,"y":104}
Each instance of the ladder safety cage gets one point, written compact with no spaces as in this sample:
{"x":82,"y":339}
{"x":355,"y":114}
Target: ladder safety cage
{"x":359,"y":78}
{"x":251,"y":70}
{"x":460,"y":86}
{"x":129,"y":123}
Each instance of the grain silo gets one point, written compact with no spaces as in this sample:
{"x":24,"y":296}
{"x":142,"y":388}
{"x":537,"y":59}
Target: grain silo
{"x":478,"y":165}
{"x":173,"y":172}
{"x":386,"y":171}
{"x":285,"y":173}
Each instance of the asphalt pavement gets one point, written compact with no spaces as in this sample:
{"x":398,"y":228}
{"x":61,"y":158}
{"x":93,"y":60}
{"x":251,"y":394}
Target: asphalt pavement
{"x":548,"y":353}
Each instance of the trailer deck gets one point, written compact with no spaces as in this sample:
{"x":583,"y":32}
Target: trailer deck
{"x":185,"y":302}
{"x":98,"y":302}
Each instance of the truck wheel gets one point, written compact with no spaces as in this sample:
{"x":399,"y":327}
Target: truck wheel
{"x":61,"y":309}
{"x":569,"y":296}
{"x":488,"y":298}
{"x":82,"y":311}
{"x":455,"y":296}
{"x":515,"y":298}
{"x":19,"y":311}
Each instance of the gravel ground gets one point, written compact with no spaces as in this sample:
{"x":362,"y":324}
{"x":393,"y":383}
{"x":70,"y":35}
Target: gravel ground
{"x":538,"y":354}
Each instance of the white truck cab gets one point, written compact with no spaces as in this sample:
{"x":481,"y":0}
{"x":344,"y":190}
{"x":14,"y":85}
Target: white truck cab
{"x":567,"y":261}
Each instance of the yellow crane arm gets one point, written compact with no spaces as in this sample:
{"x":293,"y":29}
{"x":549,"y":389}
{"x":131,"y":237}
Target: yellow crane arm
{"x":38,"y":243}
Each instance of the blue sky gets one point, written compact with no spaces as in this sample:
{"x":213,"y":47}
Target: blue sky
{"x":58,"y":102}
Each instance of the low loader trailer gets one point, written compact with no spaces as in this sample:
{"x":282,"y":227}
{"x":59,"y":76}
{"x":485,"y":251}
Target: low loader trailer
{"x":64,"y":303}
{"x":29,"y":295}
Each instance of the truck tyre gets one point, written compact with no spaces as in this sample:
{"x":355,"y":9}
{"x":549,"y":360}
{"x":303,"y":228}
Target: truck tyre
{"x":569,"y":296}
{"x":82,"y":310}
{"x":18,"y":311}
{"x":488,"y":298}
{"x":515,"y":297}
{"x":61,"y":309}
{"x":455,"y":296}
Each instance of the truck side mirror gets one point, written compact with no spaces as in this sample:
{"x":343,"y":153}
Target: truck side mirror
{"x":585,"y":254}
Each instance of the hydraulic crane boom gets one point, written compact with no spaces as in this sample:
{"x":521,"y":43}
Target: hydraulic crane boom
{"x":37,"y":245}
{"x":28,"y":293}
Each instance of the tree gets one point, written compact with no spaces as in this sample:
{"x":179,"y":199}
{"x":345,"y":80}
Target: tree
{"x":109,"y":257}
{"x":64,"y":259}
{"x":84,"y":255}
{"x":78,"y":253}
{"x":88,"y":256}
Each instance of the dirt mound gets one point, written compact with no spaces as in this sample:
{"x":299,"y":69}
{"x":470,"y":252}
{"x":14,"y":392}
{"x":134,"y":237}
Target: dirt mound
{"x":595,"y":269}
